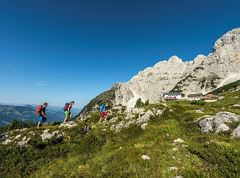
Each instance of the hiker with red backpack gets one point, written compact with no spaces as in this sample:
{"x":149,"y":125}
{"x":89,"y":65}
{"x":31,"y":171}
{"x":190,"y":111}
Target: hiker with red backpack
{"x":41,"y":112}
{"x":67,"y":110}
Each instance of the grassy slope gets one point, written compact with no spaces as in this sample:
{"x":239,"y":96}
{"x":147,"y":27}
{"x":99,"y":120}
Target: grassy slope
{"x":232,"y":86}
{"x":105,"y":154}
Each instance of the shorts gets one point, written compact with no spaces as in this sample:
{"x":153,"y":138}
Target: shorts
{"x":103,"y":114}
{"x":67,"y":114}
{"x":41,"y":119}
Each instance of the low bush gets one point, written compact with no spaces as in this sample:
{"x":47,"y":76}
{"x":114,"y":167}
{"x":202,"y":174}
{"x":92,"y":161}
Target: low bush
{"x":18,"y":124}
{"x":198,"y":102}
{"x":223,"y":160}
{"x":23,"y":161}
{"x":139,"y":103}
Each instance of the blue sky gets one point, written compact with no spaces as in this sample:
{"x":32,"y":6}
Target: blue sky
{"x":60,"y":50}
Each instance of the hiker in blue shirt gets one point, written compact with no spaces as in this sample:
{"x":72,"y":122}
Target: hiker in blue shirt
{"x":102,"y":110}
{"x":41,"y":112}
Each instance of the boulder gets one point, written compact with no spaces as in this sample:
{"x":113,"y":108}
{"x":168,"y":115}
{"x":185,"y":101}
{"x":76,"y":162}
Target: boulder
{"x":236,"y":105}
{"x":206,"y":127}
{"x":24,"y":130}
{"x":157,"y":112}
{"x":145,"y":118}
{"x":24,"y":142}
{"x":32,"y":133}
{"x":3,"y":137}
{"x":236,"y":132}
{"x":145,"y":157}
{"x":113,"y":120}
{"x":175,"y":149}
{"x":121,"y":125}
{"x":199,"y":111}
{"x":137,"y":111}
{"x":7,"y":141}
{"x":119,"y":108}
{"x":69,"y":125}
{"x":217,"y":123}
{"x":118,"y":127}
{"x":46,"y":135}
{"x":221,"y":127}
{"x":172,"y":169}
{"x":17,"y":137}
{"x":179,"y":141}
{"x":143,"y":126}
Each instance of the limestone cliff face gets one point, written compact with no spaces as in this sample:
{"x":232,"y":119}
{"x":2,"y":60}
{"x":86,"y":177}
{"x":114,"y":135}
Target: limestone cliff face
{"x":152,"y":82}
{"x":218,"y":69}
{"x":203,"y":74}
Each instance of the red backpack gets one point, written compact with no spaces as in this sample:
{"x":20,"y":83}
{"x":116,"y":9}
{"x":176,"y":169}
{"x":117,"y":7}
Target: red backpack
{"x":38,"y":109}
{"x":66,"y":107}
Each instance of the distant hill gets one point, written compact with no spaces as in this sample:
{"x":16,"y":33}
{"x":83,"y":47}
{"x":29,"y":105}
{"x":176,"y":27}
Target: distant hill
{"x":105,"y":97}
{"x":27,"y":113}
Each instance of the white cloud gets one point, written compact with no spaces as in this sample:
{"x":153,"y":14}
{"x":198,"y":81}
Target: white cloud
{"x":41,"y":83}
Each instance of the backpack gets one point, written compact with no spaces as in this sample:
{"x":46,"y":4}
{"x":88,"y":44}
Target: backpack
{"x":66,"y":107}
{"x":38,"y":109}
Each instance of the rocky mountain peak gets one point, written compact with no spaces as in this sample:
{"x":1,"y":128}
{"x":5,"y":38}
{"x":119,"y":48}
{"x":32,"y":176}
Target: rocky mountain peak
{"x":199,"y":59}
{"x":175,"y":59}
{"x":231,"y":38}
{"x":202,"y":75}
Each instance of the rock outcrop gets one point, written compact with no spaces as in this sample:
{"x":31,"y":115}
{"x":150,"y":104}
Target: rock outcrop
{"x":219,"y":123}
{"x":203,"y":74}
{"x":46,"y":135}
{"x":218,"y":69}
{"x":69,"y":125}
{"x":22,"y":138}
{"x":151,"y":83}
{"x":138,"y":116}
{"x":236,"y":132}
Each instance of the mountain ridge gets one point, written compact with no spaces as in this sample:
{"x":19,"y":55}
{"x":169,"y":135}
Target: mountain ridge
{"x":201,"y":75}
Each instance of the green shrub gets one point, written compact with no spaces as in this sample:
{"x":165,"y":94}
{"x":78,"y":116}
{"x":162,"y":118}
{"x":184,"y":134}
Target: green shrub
{"x":23,"y":161}
{"x":94,"y":117}
{"x":139,"y":103}
{"x":56,"y":123}
{"x":198,"y":102}
{"x":3,"y":129}
{"x":18,"y":124}
{"x":146,"y":103}
{"x":223,"y":161}
{"x":36,"y":142}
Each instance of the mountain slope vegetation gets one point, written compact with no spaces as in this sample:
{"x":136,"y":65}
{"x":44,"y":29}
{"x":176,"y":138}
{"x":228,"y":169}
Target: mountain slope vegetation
{"x":227,"y":88}
{"x":104,"y":153}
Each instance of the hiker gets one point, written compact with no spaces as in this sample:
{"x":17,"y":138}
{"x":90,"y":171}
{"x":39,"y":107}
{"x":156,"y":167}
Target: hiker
{"x":67,"y":111}
{"x":102,"y":110}
{"x":41,"y":112}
